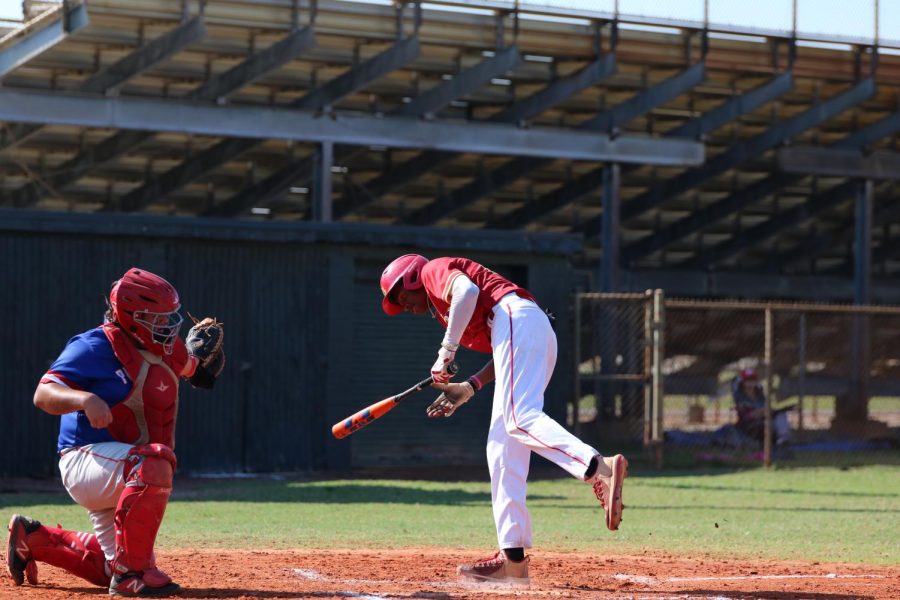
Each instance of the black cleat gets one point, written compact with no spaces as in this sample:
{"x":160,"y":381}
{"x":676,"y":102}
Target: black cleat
{"x":134,"y":585}
{"x":18,"y":555}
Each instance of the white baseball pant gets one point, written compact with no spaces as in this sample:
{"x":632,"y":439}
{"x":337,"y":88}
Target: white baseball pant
{"x":524,"y":351}
{"x":93,"y":476}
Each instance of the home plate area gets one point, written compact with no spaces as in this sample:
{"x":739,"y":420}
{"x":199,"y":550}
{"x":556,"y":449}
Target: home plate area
{"x":431,"y":573}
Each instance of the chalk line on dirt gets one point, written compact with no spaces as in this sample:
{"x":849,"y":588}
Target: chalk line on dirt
{"x":482,"y":588}
{"x":647,"y":580}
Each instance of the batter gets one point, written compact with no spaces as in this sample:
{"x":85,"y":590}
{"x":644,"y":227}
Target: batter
{"x":485,"y":312}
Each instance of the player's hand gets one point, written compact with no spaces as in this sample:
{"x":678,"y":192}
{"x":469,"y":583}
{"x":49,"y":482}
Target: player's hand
{"x":440,"y":371}
{"x":97,"y":412}
{"x":454,"y":395}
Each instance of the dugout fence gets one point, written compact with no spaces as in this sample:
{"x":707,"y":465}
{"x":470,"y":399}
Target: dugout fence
{"x":662,"y":373}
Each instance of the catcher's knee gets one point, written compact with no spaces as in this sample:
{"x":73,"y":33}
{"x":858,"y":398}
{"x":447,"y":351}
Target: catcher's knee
{"x":157,"y":466}
{"x":156,"y":471}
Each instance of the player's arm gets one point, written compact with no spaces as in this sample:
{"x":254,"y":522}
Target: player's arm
{"x":463,"y":297}
{"x":56,"y":399}
{"x":483,"y":377}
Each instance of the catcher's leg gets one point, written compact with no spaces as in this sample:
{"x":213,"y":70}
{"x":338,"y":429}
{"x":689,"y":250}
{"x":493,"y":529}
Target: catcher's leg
{"x":138,"y":517}
{"x":77,"y":552}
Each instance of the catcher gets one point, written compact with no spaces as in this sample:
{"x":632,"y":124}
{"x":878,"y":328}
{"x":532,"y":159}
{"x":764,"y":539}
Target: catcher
{"x":116,"y":389}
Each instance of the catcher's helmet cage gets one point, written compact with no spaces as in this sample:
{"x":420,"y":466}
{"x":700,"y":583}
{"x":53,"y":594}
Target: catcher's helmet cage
{"x":408,"y":269}
{"x":146,"y":306}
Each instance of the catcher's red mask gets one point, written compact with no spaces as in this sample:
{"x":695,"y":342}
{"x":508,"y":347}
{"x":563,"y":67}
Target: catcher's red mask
{"x":146,"y":306}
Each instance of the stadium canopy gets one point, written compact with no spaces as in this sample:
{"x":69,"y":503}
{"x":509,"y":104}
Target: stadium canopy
{"x":663,"y":143}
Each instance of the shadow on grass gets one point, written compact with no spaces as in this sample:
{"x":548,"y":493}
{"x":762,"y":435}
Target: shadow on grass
{"x":284,"y":491}
{"x":741,"y":488}
{"x":677,"y":459}
{"x":325,"y":493}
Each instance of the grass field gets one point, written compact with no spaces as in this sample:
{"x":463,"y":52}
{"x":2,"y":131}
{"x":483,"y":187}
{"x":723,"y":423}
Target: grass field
{"x":815,"y":514}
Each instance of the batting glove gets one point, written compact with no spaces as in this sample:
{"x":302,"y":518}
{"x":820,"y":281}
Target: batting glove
{"x":440,"y":370}
{"x":454,"y":395}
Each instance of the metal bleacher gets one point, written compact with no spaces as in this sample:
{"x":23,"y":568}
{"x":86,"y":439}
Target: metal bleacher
{"x":676,"y":150}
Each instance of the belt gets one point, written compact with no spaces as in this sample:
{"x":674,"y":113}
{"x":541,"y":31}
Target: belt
{"x":65,"y":451}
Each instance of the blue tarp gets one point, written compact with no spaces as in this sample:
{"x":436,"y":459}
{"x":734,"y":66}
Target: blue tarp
{"x":842,"y":446}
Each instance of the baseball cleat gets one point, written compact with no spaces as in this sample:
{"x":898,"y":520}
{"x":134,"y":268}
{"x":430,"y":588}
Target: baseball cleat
{"x":19,"y":563}
{"x":134,"y":584}
{"x":609,"y":490}
{"x":496,"y":569}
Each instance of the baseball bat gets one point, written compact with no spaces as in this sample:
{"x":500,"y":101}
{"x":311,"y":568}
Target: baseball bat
{"x":360,"y":419}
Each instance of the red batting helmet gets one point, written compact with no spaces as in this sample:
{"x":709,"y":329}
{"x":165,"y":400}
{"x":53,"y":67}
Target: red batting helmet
{"x":748,"y":374}
{"x":408,"y":269}
{"x":146,"y":306}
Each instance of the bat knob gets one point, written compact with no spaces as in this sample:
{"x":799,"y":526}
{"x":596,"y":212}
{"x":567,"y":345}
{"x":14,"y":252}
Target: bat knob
{"x":453,"y":368}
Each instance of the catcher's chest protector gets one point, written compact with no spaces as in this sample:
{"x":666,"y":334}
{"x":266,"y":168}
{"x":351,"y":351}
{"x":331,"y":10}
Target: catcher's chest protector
{"x":148,"y":414}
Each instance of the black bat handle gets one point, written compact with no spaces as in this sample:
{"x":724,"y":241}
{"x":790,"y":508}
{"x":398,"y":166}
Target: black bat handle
{"x":453,"y":368}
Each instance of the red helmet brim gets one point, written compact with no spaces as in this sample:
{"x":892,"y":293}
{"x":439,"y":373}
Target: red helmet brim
{"x":389,"y":307}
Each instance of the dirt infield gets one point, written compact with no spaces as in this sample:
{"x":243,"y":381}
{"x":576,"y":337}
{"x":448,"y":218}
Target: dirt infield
{"x":430,"y":573}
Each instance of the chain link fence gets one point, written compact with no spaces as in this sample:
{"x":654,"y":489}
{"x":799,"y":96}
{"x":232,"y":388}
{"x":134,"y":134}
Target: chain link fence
{"x":687,"y":379}
{"x":614,"y":402}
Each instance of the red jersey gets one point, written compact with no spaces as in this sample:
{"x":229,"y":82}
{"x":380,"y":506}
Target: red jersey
{"x":438,"y":277}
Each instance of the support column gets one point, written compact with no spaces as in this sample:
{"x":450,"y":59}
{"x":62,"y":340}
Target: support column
{"x":768,"y":341}
{"x":610,"y":270}
{"x":611,"y":395}
{"x":862,"y":260}
{"x":322,"y":206}
{"x":854,"y":407}
{"x":801,"y":375}
{"x":658,"y":377}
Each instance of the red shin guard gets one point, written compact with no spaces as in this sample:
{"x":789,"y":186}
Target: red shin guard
{"x":73,"y":551}
{"x":141,"y":508}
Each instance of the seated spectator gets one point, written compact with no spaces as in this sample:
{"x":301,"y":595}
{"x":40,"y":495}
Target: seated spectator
{"x":750,"y":402}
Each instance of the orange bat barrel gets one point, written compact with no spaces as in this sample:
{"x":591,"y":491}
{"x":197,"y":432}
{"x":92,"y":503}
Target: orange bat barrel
{"x":359,"y":420}
{"x":345,"y":427}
